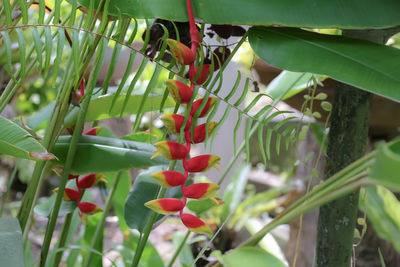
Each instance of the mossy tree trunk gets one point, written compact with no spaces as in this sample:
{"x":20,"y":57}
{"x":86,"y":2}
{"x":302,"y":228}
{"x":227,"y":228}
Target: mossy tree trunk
{"x":346,"y":143}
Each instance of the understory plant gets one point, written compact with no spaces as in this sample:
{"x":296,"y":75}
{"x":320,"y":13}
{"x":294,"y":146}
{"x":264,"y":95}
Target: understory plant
{"x":60,"y":74}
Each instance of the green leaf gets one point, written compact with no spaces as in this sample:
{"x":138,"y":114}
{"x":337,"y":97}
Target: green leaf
{"x":16,"y":141}
{"x":234,"y":191}
{"x":249,"y":256}
{"x":288,"y":83}
{"x":144,"y":137}
{"x":366,"y":65}
{"x":150,"y":256}
{"x":382,"y":208}
{"x":199,"y":206}
{"x":99,"y":107}
{"x":40,"y":119}
{"x":102,"y":154}
{"x":12,"y":251}
{"x":186,"y":255}
{"x":305,"y":13}
{"x":90,"y":228}
{"x":144,"y":189}
{"x":386,"y":169}
{"x":120,"y":196}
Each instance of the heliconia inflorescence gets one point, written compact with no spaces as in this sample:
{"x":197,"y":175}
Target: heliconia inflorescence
{"x":182,"y":94}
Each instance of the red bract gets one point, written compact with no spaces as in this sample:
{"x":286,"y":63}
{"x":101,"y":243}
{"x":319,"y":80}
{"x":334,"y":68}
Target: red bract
{"x":165,"y":205}
{"x":202,"y":163}
{"x":90,"y":180}
{"x":88,"y":208}
{"x":179,"y":91}
{"x":174,"y":122}
{"x":200,"y":190}
{"x":171,"y":150}
{"x":194,"y":224}
{"x":199,"y":134}
{"x":207,"y":107}
{"x":181,"y":52}
{"x":169,"y":179}
{"x":72,"y":194}
{"x":204,"y":73}
{"x":93,"y":131}
{"x":73,"y":176}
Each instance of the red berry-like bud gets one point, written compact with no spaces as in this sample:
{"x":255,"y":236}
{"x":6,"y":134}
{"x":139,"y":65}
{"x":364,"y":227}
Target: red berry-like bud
{"x":171,"y":150}
{"x":165,"y":205}
{"x":199,"y":134}
{"x":194,"y":224}
{"x":90,"y":180}
{"x":169,"y":179}
{"x":179,"y":91}
{"x":202,"y":163}
{"x":88,"y":208}
{"x":71,"y":194}
{"x":93,"y":131}
{"x":174,"y":122}
{"x":196,"y":104}
{"x":182,"y":53}
{"x":204,"y":73}
{"x":200,"y":190}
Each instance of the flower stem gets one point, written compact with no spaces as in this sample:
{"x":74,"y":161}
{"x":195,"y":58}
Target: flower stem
{"x":178,"y":250}
{"x":100,"y":225}
{"x":146,"y":233}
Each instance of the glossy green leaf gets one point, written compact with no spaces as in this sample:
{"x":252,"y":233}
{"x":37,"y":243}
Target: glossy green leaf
{"x":102,"y":154}
{"x":144,"y":189}
{"x":382,"y":208}
{"x":90,"y":229}
{"x":150,"y":256}
{"x":288,"y":83}
{"x":100,"y":106}
{"x":17,"y":142}
{"x":366,"y":65}
{"x":121,"y":193}
{"x":145,"y":137}
{"x":305,"y":13}
{"x":11,"y":249}
{"x":234,"y":192}
{"x":199,"y":206}
{"x":249,"y":256}
{"x":46,"y":205}
{"x":386,"y":169}
{"x":186,"y":255}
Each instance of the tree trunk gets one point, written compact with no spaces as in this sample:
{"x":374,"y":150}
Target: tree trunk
{"x":346,"y":143}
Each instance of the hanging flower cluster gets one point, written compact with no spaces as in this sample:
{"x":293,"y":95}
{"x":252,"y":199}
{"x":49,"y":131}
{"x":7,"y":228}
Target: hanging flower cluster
{"x":87,"y":181}
{"x":182,"y":94}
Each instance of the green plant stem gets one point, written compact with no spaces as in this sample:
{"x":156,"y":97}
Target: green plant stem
{"x":28,"y":225}
{"x":68,"y":166}
{"x":100,"y":225}
{"x":63,"y":237}
{"x":178,"y":250}
{"x":146,"y":233}
{"x":7,"y":193}
{"x":306,"y":206}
